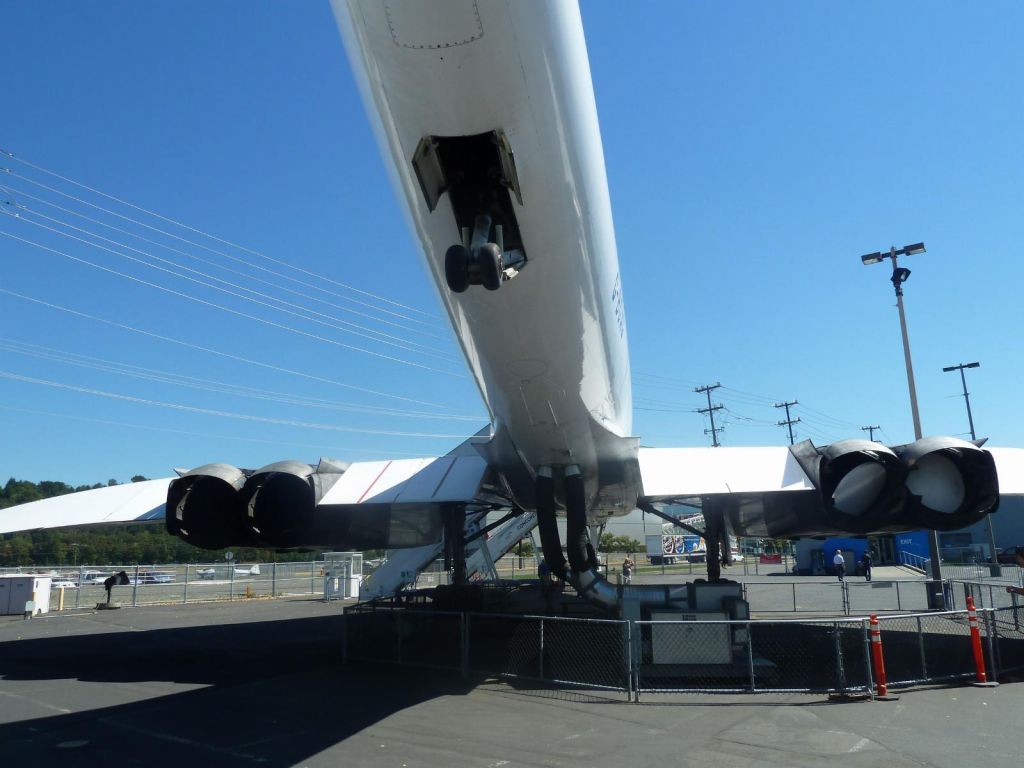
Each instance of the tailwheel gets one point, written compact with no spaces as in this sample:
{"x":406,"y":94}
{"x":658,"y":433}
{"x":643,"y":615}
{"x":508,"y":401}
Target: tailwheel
{"x":456,"y":268}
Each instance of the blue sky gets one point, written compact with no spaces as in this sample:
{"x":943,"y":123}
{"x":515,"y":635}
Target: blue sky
{"x":754,"y":152}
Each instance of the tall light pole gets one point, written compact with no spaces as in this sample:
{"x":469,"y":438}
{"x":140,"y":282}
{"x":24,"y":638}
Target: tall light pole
{"x":899,"y":277}
{"x":995,"y":569}
{"x":967,"y":395}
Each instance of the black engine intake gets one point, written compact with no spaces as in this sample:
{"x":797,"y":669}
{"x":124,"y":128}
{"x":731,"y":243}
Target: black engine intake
{"x":278,"y":507}
{"x":203,"y":507}
{"x":951,"y":483}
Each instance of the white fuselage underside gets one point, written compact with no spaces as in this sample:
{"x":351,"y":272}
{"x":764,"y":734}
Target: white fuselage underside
{"x":548,"y":349}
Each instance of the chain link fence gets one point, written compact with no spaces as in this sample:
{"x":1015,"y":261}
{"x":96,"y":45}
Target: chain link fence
{"x":838,"y":597}
{"x":82,"y":587}
{"x":643,"y":658}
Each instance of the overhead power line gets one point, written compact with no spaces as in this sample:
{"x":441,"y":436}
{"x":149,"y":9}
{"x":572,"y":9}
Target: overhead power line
{"x":209,"y":385}
{"x":261,"y":255}
{"x":222,"y":353}
{"x":15,"y":194}
{"x":346,"y":326}
{"x":225,"y":414}
{"x":236,"y":312}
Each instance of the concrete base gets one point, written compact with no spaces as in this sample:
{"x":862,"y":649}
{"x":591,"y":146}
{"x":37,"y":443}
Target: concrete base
{"x":107,"y":606}
{"x":850,"y":696}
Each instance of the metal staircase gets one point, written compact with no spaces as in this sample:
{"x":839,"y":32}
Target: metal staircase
{"x":404,"y":566}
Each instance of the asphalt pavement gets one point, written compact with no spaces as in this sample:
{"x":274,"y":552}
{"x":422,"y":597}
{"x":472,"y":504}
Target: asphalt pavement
{"x":260,"y":682}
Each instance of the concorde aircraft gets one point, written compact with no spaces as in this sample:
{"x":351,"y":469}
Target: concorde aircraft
{"x":485,"y":114}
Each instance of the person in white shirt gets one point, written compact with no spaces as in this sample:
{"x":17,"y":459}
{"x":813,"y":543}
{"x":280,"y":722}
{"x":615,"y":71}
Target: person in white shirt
{"x":839,"y":564}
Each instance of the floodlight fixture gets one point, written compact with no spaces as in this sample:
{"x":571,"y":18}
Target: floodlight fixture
{"x":910,"y":250}
{"x":900,"y":275}
{"x":872,"y":258}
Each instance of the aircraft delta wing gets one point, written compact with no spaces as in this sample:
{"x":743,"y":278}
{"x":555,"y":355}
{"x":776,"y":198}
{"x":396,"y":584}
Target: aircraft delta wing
{"x":485,"y":114}
{"x":763,"y":492}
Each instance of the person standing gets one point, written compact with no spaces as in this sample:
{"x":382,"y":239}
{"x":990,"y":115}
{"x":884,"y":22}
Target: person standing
{"x":839,"y":564}
{"x":627,"y":569}
{"x":866,"y":563}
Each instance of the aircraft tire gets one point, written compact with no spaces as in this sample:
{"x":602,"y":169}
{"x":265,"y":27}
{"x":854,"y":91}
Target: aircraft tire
{"x":456,"y":268}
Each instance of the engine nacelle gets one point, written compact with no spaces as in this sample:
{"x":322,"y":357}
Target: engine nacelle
{"x":203,"y":507}
{"x":279,"y":505}
{"x":282,"y":510}
{"x":860,"y":484}
{"x":951,"y":483}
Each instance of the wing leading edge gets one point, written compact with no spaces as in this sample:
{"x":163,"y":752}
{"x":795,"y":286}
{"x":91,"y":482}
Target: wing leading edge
{"x":284,"y":505}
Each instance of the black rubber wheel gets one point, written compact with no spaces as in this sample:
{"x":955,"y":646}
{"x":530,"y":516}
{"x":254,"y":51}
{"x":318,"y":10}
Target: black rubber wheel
{"x":456,"y":268}
{"x":489,"y":259}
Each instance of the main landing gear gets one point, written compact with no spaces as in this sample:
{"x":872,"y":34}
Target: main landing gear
{"x":477,"y":260}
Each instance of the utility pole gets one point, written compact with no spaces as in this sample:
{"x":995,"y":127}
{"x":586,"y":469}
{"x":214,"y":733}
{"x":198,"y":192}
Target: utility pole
{"x":994,"y":569}
{"x":870,"y":431}
{"x":788,"y":422}
{"x":710,"y":410}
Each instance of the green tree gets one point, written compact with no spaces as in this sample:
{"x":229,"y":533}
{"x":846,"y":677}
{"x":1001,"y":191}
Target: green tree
{"x":612,"y":543}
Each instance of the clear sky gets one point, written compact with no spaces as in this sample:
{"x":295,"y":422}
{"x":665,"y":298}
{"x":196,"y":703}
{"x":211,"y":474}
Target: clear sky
{"x":754,"y":152}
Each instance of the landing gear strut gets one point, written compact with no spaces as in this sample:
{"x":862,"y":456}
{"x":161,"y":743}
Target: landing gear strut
{"x":716,"y":538}
{"x":478,"y":261}
{"x":454,"y":519}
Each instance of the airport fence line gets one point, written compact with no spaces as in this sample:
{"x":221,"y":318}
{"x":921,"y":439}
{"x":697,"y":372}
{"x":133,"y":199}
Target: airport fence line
{"x":831,"y":656}
{"x":848,"y":597}
{"x":987,"y":594}
{"x":82,"y":587}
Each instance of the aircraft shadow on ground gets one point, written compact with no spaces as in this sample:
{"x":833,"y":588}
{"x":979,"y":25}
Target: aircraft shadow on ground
{"x":275,"y":693}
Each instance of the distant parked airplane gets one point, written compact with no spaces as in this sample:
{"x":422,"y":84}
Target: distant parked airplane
{"x":211,"y":573}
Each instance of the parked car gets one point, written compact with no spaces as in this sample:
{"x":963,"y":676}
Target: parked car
{"x":1010,"y":555}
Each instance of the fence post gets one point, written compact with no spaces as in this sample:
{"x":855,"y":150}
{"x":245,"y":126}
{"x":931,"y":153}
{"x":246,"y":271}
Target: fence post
{"x":135,"y":587}
{"x":184,"y":596}
{"x":464,"y":642}
{"x":990,"y":631}
{"x":794,"y":596}
{"x":78,"y":594}
{"x":920,"y":645}
{"x":231,"y":589}
{"x":344,"y":637}
{"x":840,"y":671}
{"x":750,"y":657}
{"x":540,"y":655}
{"x":867,"y":657}
{"x":273,"y":579}
{"x":398,"y":634}
{"x":899,"y":605}
{"x":628,"y":626}
{"x":637,"y":656}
